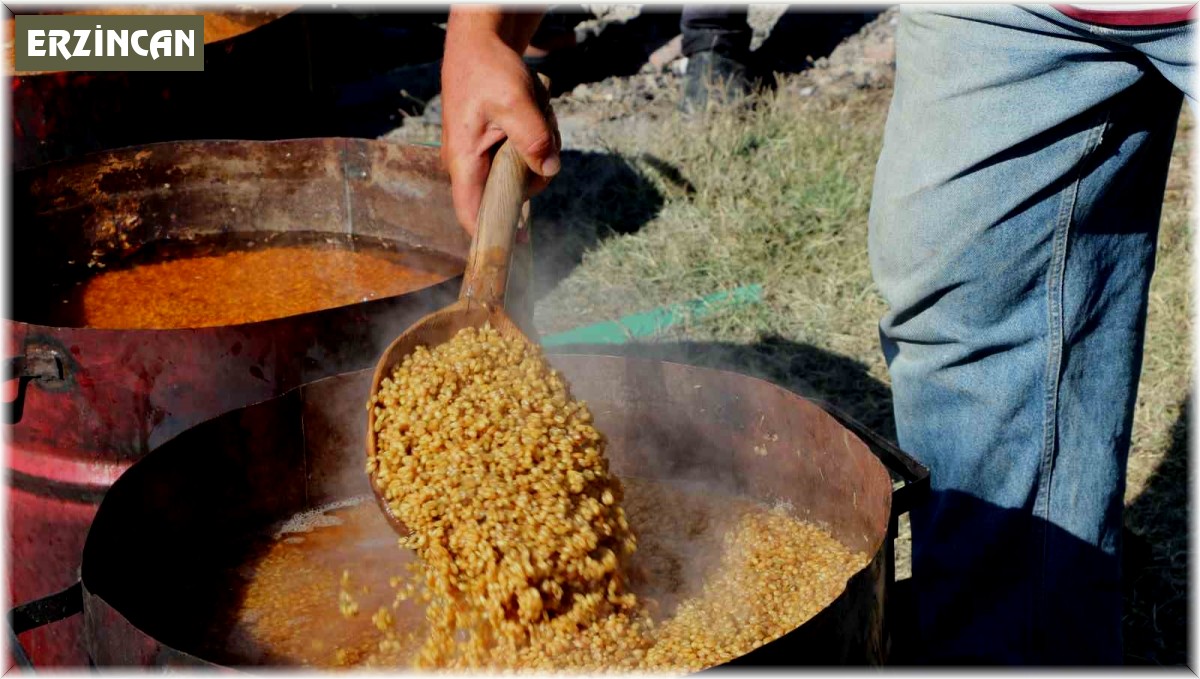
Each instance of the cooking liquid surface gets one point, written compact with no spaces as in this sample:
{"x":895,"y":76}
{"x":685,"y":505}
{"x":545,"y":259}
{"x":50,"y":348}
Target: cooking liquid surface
{"x":288,"y":588}
{"x":173,"y":284}
{"x":701,"y":557}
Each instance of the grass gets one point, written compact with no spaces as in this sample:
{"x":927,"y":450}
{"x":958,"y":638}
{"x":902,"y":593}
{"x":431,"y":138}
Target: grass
{"x":1157,"y":494}
{"x":780,"y":196}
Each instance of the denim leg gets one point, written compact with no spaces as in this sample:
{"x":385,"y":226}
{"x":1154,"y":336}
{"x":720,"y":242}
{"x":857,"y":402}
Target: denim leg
{"x":1012,"y":235}
{"x":725,"y":30}
{"x":1167,"y":48}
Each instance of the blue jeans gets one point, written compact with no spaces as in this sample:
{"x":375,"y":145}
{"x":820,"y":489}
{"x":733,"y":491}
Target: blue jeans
{"x":1012,"y":234}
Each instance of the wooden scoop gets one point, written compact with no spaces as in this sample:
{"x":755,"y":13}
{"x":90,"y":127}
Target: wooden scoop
{"x":481,"y":299}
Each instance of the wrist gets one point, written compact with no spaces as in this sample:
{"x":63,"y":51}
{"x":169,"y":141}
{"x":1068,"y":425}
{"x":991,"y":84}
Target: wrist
{"x":473,"y":24}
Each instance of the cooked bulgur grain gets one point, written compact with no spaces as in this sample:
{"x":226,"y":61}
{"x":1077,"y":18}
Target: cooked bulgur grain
{"x":528,"y":560}
{"x":502,"y":479}
{"x":690,"y":574}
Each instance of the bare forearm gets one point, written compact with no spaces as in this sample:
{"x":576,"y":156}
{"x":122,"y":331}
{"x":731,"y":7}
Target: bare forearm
{"x":514,"y":27}
{"x":488,"y":94}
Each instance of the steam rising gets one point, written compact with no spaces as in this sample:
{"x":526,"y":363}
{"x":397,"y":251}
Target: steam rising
{"x":312,"y":519}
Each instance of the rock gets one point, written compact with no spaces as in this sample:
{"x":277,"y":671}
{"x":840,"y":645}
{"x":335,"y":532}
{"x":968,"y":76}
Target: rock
{"x":679,"y":66}
{"x":433,"y":111}
{"x":603,"y":16}
{"x":762,"y":19}
{"x":610,"y":13}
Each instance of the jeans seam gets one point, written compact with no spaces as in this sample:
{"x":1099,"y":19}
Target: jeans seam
{"x":1055,"y":283}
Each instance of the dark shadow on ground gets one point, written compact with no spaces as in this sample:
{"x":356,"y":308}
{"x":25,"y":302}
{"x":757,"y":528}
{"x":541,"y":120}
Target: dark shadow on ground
{"x":374,"y":68}
{"x":802,"y":368}
{"x":373,"y":104}
{"x":596,"y":195}
{"x":800,"y":37}
{"x":332,"y":72}
{"x":1157,"y":559}
{"x":619,"y":49}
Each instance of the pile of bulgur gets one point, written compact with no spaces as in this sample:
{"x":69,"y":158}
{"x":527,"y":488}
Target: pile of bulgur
{"x":527,"y":559}
{"x":502,"y":479}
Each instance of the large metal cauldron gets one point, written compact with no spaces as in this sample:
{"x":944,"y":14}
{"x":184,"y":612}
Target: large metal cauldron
{"x":187,"y":506}
{"x":90,"y":402}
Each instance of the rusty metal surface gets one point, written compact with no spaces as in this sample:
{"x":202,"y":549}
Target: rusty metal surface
{"x":176,"y":512}
{"x":125,"y":391}
{"x":121,"y":393}
{"x":117,"y":200}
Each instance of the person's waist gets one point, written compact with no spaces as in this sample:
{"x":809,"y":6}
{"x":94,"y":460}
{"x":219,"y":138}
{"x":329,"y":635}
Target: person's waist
{"x":1128,"y":14}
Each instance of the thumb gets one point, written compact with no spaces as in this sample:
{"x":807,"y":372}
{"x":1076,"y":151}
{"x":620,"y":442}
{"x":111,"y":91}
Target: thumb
{"x":532,"y":135}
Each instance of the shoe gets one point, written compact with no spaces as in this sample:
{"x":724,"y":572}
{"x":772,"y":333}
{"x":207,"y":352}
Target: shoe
{"x":713,"y":78}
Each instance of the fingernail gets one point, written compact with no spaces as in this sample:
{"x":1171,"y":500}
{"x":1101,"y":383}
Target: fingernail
{"x":551,"y":166}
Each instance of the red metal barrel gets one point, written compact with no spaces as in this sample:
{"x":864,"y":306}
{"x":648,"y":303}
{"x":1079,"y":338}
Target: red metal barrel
{"x":91,"y":402}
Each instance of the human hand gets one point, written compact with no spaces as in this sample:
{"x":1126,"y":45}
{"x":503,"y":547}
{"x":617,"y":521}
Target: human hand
{"x":489,"y":95}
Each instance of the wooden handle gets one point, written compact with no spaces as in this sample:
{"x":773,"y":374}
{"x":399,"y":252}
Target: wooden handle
{"x":500,"y":212}
{"x":486,"y":276}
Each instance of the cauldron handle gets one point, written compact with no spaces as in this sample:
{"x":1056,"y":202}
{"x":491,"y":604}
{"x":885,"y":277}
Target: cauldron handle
{"x":15,"y":370}
{"x":914,"y":474}
{"x":34,"y":614}
{"x":39,"y":362}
